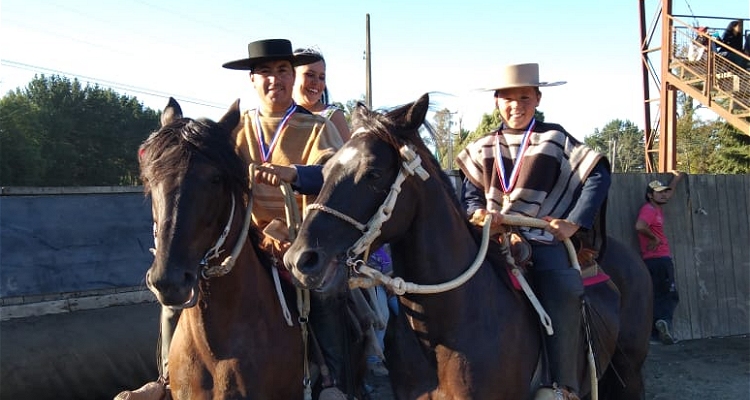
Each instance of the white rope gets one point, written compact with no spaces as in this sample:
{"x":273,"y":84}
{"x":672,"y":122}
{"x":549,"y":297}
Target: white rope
{"x":294,"y":220}
{"x":280,"y":294}
{"x":400,"y":287}
{"x":519,"y":220}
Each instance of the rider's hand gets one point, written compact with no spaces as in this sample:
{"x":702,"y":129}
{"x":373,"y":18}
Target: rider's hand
{"x":561,"y":229}
{"x":273,"y":174}
{"x":496,"y":225}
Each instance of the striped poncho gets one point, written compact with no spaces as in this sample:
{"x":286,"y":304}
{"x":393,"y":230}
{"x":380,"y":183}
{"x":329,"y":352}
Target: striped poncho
{"x":306,"y":139}
{"x":549,"y":175}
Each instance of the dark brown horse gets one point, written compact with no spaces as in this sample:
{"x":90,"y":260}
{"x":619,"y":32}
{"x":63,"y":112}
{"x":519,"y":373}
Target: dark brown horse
{"x":482,"y":339}
{"x":232,"y":340}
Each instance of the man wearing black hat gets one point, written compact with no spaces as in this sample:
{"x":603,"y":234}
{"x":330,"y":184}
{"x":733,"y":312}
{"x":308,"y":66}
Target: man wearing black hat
{"x":279,"y":133}
{"x":657,"y":255}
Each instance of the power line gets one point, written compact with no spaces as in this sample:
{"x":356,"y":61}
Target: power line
{"x":695,"y":20}
{"x":110,"y":84}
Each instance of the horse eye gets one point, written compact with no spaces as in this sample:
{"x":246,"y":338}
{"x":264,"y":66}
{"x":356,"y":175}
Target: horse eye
{"x":373,"y":175}
{"x":216,"y":179}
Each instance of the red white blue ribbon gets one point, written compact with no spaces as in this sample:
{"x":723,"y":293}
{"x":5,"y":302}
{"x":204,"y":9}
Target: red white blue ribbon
{"x":509,"y":182}
{"x":267,"y":149}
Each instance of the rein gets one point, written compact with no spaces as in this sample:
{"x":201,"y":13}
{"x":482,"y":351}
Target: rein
{"x":226,"y":266}
{"x":411,"y":165}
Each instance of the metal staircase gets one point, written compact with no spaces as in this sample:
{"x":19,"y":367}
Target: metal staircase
{"x":713,"y":80}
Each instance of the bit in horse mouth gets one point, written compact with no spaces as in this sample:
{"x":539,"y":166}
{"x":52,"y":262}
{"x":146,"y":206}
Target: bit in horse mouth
{"x":331,"y":274}
{"x":188,"y":303}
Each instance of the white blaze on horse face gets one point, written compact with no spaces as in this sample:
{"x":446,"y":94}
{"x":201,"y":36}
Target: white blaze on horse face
{"x":347,"y":155}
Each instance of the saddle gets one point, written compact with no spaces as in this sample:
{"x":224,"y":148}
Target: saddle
{"x":600,"y":324}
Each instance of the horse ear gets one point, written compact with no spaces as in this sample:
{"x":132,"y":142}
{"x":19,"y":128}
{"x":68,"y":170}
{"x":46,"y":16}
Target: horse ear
{"x":417,"y":112}
{"x":230,"y":120}
{"x":359,"y":110}
{"x":171,"y":113}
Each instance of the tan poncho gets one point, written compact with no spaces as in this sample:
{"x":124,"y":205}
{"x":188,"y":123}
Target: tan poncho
{"x":305,"y":140}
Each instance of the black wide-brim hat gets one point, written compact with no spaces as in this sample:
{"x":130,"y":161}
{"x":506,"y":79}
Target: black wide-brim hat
{"x":269,"y":50}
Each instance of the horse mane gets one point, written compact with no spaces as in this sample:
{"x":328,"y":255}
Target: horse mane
{"x":394,"y":128}
{"x":169,"y":150}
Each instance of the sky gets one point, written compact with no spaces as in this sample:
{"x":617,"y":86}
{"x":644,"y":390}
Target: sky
{"x":153,"y":49}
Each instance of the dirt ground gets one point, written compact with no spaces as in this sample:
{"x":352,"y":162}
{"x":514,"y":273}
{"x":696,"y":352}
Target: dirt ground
{"x":689,"y":370}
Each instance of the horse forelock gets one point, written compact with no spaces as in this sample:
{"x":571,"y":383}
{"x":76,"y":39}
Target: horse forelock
{"x":393,"y":128}
{"x":167,"y":152}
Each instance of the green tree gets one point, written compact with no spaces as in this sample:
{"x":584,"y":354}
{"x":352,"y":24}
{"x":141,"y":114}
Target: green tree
{"x":623,"y":142}
{"x":21,"y":140}
{"x":709,"y":146}
{"x":443,"y":141}
{"x":56,"y":132}
{"x":733,"y":150}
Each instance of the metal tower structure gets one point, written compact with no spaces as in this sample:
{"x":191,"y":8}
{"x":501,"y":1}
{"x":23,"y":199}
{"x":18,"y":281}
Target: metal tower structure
{"x":717,"y":83}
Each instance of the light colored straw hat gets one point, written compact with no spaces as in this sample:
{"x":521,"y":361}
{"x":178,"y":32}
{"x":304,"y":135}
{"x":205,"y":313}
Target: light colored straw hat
{"x":520,"y":75}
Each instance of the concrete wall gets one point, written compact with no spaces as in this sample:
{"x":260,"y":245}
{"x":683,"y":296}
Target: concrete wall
{"x":72,"y":240}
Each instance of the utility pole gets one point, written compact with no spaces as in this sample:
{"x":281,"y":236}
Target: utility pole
{"x":368,"y":65}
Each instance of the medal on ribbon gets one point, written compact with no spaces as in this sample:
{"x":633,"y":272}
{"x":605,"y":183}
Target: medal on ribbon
{"x":267,"y":149}
{"x":508,"y":182}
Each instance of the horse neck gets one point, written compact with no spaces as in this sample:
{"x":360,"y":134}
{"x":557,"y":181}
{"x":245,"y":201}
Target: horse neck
{"x":438,"y":245}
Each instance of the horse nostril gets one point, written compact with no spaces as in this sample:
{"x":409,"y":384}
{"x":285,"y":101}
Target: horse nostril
{"x":308,"y":261}
{"x":190,"y":278}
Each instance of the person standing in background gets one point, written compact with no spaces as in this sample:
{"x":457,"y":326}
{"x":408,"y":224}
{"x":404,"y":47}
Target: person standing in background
{"x":657,"y":255}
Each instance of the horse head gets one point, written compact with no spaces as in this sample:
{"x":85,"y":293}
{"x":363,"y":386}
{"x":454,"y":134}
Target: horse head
{"x":358,"y":196}
{"x":195,"y":180}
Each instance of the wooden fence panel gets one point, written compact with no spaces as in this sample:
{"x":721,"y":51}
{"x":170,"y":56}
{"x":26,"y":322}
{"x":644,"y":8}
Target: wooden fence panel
{"x":725,"y":293}
{"x":738,"y":196}
{"x":707,"y":250}
{"x":707,"y":222}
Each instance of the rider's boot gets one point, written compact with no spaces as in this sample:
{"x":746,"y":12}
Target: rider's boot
{"x":560,"y":293}
{"x":328,"y":321}
{"x":159,"y":389}
{"x":151,"y":391}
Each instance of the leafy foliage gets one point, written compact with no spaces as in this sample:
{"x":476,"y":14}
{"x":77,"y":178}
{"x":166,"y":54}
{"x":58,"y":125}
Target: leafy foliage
{"x":57,"y":133}
{"x":623,"y":143}
{"x":709,"y":147}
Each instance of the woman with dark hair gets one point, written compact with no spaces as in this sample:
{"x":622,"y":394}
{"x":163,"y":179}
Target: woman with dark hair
{"x":311,"y":92}
{"x":733,"y":38}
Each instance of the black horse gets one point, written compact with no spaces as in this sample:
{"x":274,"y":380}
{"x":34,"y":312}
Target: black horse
{"x":482,"y":339}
